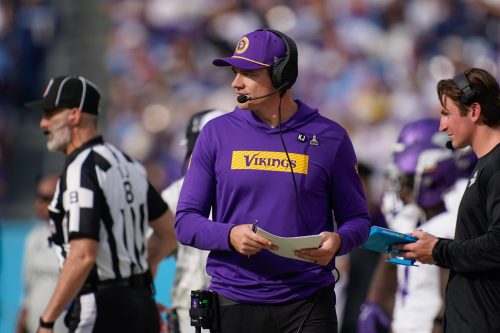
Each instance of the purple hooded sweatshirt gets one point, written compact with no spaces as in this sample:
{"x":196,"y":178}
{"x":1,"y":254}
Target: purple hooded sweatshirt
{"x":240,"y":170}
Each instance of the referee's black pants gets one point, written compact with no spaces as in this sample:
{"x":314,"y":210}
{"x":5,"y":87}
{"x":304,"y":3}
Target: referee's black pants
{"x":314,"y":314}
{"x":117,"y":309}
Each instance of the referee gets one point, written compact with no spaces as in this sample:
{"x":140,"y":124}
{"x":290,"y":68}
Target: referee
{"x":99,"y":217}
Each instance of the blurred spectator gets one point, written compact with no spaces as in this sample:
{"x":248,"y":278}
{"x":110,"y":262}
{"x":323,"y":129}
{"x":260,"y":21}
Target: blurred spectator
{"x":27,"y":31}
{"x":36,"y":24}
{"x":40,"y":265}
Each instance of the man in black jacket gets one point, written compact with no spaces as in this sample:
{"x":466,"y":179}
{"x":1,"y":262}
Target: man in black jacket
{"x":471,"y":116}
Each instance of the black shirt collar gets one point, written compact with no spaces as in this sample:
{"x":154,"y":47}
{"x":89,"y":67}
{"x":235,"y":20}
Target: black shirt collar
{"x":92,"y":142}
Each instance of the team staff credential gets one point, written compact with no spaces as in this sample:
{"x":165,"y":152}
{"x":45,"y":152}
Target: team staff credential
{"x":276,"y":162}
{"x":99,"y":216}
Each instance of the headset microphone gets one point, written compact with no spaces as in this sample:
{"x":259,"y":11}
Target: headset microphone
{"x":449,"y":145}
{"x":243,"y":98}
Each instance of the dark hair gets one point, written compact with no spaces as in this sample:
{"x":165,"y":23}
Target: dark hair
{"x":487,"y":94}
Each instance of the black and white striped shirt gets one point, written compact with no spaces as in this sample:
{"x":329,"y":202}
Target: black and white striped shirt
{"x":104,"y":195}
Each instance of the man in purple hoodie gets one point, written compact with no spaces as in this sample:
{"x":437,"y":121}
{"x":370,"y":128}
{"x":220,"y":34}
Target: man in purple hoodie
{"x":277,"y":162}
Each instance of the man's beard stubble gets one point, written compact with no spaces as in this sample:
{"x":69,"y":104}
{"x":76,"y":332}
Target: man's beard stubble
{"x":61,"y":138}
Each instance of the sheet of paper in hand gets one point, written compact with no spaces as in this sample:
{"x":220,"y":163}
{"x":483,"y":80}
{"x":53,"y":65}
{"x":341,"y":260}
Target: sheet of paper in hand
{"x":288,"y":245}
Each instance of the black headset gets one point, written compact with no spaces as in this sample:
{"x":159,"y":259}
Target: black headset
{"x":284,"y":71}
{"x":467,"y":91}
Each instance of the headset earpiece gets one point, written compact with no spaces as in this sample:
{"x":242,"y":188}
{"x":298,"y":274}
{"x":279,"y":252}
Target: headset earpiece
{"x":467,"y":91}
{"x":284,"y":70}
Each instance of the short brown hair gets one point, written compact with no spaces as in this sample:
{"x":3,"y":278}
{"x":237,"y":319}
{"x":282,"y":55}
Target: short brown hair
{"x":488,"y":94}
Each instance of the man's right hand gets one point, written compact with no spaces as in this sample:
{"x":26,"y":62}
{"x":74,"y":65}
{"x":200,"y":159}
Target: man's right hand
{"x":373,"y":319}
{"x":247,"y":242}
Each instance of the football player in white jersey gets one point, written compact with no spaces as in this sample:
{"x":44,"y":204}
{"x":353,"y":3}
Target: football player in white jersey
{"x":425,"y":172}
{"x":419,"y":297}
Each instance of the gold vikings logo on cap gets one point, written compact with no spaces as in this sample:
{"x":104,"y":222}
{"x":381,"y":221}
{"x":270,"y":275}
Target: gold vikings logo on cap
{"x":242,"y":45}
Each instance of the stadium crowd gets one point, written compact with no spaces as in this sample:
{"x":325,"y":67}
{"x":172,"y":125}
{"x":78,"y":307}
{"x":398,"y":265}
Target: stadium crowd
{"x":371,"y":65}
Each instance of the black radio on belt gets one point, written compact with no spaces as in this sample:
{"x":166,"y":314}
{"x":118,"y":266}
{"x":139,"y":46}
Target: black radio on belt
{"x":204,"y":312}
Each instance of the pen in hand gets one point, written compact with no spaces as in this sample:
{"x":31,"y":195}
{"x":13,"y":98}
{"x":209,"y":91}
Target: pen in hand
{"x":254,"y":226}
{"x":254,"y":229}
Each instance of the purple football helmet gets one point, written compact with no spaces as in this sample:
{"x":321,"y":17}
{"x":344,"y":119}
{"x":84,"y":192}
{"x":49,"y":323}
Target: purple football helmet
{"x":422,"y":130}
{"x":433,"y":168}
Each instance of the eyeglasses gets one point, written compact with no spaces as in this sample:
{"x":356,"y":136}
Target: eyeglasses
{"x":44,"y":197}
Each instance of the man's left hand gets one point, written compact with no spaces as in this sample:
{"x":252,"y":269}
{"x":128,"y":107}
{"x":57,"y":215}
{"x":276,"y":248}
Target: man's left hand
{"x":329,"y":246}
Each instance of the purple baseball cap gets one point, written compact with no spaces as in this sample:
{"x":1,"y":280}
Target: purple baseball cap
{"x":255,"y":50}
